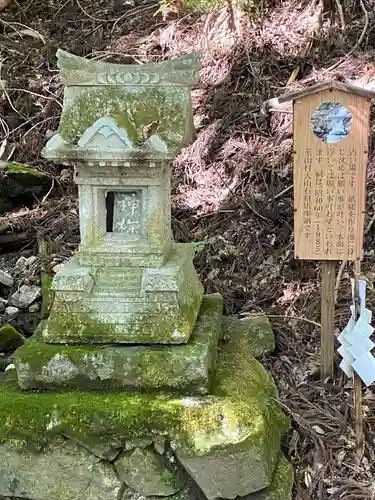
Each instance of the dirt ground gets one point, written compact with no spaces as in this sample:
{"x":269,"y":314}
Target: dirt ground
{"x":232,"y":188}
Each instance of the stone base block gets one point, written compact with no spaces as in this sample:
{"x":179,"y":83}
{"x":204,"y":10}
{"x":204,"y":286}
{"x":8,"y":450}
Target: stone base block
{"x":126,"y":305}
{"x":184,"y":368}
{"x":239,"y":422}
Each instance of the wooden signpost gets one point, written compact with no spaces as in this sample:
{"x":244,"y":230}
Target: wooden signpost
{"x":331,"y":124}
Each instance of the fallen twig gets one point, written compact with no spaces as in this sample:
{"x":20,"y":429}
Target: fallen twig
{"x":298,"y":318}
{"x":341,"y":14}
{"x":279,"y":195}
{"x":359,"y":41}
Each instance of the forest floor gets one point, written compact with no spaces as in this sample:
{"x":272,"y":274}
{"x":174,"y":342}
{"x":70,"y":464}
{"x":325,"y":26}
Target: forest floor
{"x":232,"y":188}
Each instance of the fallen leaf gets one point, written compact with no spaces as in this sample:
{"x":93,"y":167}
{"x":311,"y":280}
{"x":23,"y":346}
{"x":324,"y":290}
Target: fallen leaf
{"x":318,"y":429}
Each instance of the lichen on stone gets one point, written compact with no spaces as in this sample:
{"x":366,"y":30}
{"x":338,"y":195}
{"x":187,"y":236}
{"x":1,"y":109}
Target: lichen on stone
{"x":282,"y":482}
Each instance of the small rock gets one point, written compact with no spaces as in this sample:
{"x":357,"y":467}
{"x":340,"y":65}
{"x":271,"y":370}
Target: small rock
{"x":62,"y":471}
{"x":34,"y":307}
{"x":2,"y":306}
{"x":102,"y":449}
{"x":6,"y":279}
{"x":30,"y":261}
{"x":12,"y":311}
{"x":160,"y":444}
{"x":25,"y":296}
{"x":21,"y":262}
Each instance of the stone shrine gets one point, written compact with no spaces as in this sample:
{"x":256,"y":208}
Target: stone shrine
{"x":128,"y":283}
{"x":136,"y":386}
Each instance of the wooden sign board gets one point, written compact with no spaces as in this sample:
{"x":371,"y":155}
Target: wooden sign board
{"x":329,"y":180}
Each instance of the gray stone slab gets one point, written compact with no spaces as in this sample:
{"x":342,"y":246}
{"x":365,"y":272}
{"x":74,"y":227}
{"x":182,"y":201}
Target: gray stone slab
{"x":63,"y":471}
{"x":148,"y":473}
{"x":186,"y":369}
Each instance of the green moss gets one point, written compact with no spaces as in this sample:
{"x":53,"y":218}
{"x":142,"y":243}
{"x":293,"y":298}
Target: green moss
{"x":47,"y":293}
{"x":66,"y":324}
{"x":182,"y":369}
{"x":20,"y":185}
{"x":19,"y":168}
{"x":168,"y":477}
{"x":10,"y":338}
{"x":282,"y":482}
{"x":244,"y":396}
{"x":37,"y":353}
{"x":132,"y":111}
{"x":255,"y":393}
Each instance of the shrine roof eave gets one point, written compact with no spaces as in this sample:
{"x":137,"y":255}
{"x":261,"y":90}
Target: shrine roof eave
{"x":60,"y":151}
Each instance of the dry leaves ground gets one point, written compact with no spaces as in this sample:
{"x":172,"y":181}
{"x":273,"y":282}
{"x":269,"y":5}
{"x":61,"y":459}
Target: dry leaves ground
{"x":231,"y":188}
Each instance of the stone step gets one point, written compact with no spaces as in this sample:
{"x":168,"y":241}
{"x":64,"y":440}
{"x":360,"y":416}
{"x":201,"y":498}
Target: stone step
{"x":183,"y":368}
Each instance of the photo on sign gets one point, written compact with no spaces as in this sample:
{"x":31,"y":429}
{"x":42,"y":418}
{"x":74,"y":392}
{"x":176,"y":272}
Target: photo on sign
{"x":331,"y":122}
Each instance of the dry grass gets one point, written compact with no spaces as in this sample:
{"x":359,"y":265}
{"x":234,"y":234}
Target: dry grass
{"x":231,"y":188}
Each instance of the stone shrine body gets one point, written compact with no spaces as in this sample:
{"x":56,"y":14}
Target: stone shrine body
{"x":128,"y":283}
{"x":136,"y":386}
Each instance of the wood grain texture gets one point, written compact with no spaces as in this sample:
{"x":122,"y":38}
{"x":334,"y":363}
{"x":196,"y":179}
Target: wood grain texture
{"x":327,"y":339}
{"x":357,"y":382}
{"x":329,"y":182}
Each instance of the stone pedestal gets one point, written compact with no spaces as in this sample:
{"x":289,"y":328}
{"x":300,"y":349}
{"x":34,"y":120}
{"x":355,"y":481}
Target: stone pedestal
{"x":225,"y":443}
{"x":108,"y":304}
{"x":144,"y":390}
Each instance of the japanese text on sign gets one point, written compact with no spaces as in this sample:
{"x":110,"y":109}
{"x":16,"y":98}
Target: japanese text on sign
{"x":328,"y":215}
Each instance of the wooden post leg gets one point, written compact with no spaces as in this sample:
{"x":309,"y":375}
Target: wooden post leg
{"x":327,"y":319}
{"x":357,"y":383}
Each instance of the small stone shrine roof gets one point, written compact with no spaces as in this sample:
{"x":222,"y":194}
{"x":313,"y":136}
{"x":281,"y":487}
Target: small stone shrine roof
{"x":76,"y":70}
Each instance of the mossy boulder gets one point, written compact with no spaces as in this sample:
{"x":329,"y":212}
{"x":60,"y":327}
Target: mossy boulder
{"x":248,"y":462}
{"x":258,"y":329}
{"x":10,"y":338}
{"x":20,"y":185}
{"x":242,"y":408}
